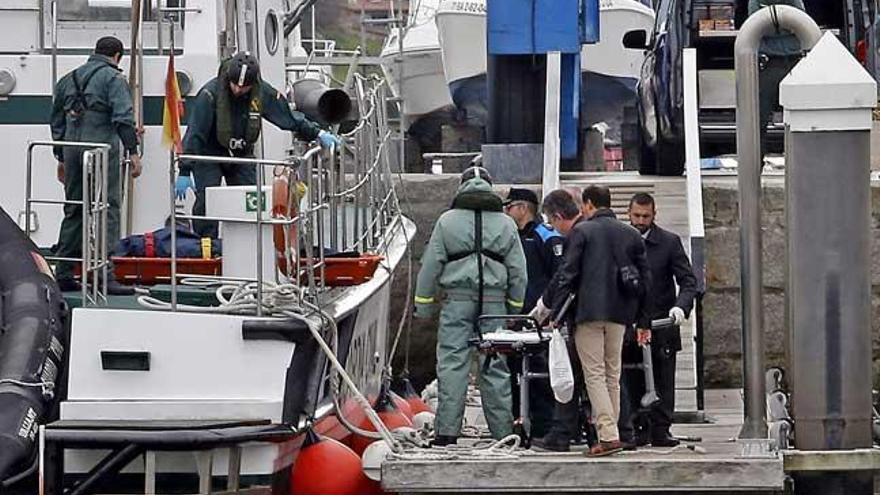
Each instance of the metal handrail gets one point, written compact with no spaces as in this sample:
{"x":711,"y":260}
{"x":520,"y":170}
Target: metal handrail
{"x":94,"y":203}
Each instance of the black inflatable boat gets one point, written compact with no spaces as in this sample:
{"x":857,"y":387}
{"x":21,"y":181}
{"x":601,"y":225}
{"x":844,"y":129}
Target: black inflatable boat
{"x":33,"y":318}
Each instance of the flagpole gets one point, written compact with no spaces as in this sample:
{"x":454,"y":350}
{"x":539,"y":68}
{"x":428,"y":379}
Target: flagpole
{"x":171,"y":191}
{"x":135,"y":82}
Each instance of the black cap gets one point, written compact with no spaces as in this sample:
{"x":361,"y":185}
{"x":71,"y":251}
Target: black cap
{"x":243,"y":69}
{"x":518,"y":194}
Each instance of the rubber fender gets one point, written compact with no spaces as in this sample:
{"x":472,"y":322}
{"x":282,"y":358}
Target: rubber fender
{"x":33,"y":343}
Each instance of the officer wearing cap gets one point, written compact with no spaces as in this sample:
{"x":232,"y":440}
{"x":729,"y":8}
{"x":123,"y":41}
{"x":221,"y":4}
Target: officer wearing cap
{"x":542,"y":246}
{"x":225,"y":120}
{"x":475,"y":257}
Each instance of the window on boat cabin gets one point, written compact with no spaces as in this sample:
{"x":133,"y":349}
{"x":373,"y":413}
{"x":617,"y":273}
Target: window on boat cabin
{"x":81,"y":22}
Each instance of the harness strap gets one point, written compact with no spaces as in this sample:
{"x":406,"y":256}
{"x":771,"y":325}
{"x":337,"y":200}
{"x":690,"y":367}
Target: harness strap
{"x":149,"y":245}
{"x":80,"y":89}
{"x":478,"y":248}
{"x":492,"y":255}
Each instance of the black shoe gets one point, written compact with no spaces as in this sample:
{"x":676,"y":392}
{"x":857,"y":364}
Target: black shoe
{"x":552,"y":443}
{"x":68,"y":285}
{"x":443,"y":441}
{"x":114,"y":288}
{"x":628,"y":444}
{"x":665,"y":441}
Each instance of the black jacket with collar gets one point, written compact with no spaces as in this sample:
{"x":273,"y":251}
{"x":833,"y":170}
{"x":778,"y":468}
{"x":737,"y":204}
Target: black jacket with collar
{"x":590,"y":269}
{"x":669,"y":266}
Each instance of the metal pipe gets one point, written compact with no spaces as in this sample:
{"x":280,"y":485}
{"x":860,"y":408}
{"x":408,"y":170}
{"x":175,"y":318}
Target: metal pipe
{"x":87,"y":158}
{"x":54,"y":43}
{"x":749,"y":157}
{"x":261,"y":202}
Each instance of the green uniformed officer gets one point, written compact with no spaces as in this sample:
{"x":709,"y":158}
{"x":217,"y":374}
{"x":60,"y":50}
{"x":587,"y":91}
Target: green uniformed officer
{"x":778,"y":54}
{"x":92,"y":103}
{"x":225,"y":119}
{"x":467,"y":267}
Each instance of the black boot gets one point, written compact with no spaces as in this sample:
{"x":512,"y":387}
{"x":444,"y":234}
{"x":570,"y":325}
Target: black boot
{"x":443,"y":440}
{"x":67,"y":284}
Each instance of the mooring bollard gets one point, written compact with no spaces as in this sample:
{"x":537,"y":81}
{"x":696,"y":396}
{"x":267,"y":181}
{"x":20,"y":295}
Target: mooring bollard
{"x":828,"y":99}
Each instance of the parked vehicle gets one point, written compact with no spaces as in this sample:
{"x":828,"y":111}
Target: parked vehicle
{"x":711,"y":27}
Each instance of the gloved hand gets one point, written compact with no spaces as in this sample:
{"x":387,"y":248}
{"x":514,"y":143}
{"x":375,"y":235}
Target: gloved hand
{"x":184,"y":183}
{"x":677,"y":315}
{"x":329,"y":140}
{"x":540,"y":311}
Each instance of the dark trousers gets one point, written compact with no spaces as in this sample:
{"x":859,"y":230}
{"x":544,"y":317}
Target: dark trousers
{"x":209,"y":175}
{"x":654,"y":423}
{"x":569,"y":418}
{"x":70,"y":236}
{"x":541,"y":401}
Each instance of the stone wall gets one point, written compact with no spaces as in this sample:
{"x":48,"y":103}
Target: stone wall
{"x":721,"y":305}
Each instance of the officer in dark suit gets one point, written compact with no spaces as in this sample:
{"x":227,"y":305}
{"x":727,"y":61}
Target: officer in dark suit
{"x":669,"y":266}
{"x":542,"y":246}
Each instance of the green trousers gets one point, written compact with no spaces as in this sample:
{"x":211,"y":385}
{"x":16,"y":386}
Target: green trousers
{"x":71,"y":235}
{"x":454,"y":358}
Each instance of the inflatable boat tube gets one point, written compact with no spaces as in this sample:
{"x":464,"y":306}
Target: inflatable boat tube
{"x":33,"y":318}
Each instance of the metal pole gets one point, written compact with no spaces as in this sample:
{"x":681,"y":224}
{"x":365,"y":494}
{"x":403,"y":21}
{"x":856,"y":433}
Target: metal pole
{"x":54,"y":42}
{"x":172,"y":194}
{"x":84,"y":264}
{"x":173,"y":161}
{"x":753,"y":30}
{"x":28,"y":190}
{"x":102,"y":232}
{"x":261,"y":201}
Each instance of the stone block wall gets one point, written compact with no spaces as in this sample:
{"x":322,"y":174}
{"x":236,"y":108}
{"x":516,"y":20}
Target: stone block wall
{"x":721,"y":304}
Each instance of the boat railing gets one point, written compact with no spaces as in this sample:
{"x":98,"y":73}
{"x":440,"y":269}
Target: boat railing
{"x":94,"y":260}
{"x":347,"y":202}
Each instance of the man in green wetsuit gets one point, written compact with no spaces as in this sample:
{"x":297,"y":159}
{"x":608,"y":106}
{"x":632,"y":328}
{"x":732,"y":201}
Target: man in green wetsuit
{"x":92,"y":103}
{"x":476,"y":257}
{"x":225,"y":119}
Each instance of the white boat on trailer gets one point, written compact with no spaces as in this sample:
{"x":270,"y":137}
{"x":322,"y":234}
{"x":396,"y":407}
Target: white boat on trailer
{"x":185,"y":369}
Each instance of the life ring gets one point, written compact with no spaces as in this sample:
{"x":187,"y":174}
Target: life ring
{"x":285,"y":203}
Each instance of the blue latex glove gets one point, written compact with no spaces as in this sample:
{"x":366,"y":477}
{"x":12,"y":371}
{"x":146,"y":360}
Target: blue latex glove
{"x":329,"y":140}
{"x":184,"y":183}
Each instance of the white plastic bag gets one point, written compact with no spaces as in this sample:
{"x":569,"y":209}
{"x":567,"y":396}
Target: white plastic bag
{"x":561,"y":376}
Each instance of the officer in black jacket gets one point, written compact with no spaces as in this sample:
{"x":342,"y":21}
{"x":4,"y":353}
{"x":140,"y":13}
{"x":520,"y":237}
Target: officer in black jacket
{"x":669,"y":266}
{"x":542,"y":246}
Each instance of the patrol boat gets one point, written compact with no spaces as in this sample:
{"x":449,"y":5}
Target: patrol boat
{"x":226,"y":353}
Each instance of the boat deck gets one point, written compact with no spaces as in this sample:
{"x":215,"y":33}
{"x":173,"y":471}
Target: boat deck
{"x":716,"y":466}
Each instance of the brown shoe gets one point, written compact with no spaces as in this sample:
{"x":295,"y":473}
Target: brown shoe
{"x":602,"y":449}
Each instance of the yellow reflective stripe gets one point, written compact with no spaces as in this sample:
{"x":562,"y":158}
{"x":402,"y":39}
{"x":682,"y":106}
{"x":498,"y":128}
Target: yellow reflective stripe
{"x":424,"y":300}
{"x":515,"y":304}
{"x":206,"y":248}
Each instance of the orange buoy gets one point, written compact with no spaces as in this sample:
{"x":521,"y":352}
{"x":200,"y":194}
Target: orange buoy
{"x":389,"y":414}
{"x":327,"y":467}
{"x":403,"y":405}
{"x":416,"y":404}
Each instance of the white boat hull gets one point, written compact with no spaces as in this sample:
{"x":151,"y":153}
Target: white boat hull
{"x":201,"y":368}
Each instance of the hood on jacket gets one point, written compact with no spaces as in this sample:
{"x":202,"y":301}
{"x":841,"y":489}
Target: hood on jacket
{"x":477,"y":194}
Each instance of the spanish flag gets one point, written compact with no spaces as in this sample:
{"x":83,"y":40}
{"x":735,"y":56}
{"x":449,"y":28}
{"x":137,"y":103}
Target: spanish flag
{"x":173,"y":111}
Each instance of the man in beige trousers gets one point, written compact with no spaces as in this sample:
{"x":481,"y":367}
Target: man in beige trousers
{"x":605,"y":265}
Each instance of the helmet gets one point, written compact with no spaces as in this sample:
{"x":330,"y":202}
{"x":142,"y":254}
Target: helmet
{"x":474,"y":172}
{"x":243,"y":69}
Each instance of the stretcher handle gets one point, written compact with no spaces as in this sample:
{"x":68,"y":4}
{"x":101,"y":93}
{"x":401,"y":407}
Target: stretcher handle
{"x":661,"y":323}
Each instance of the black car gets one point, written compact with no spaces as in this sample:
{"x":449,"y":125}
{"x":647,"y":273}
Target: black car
{"x":710,"y":26}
